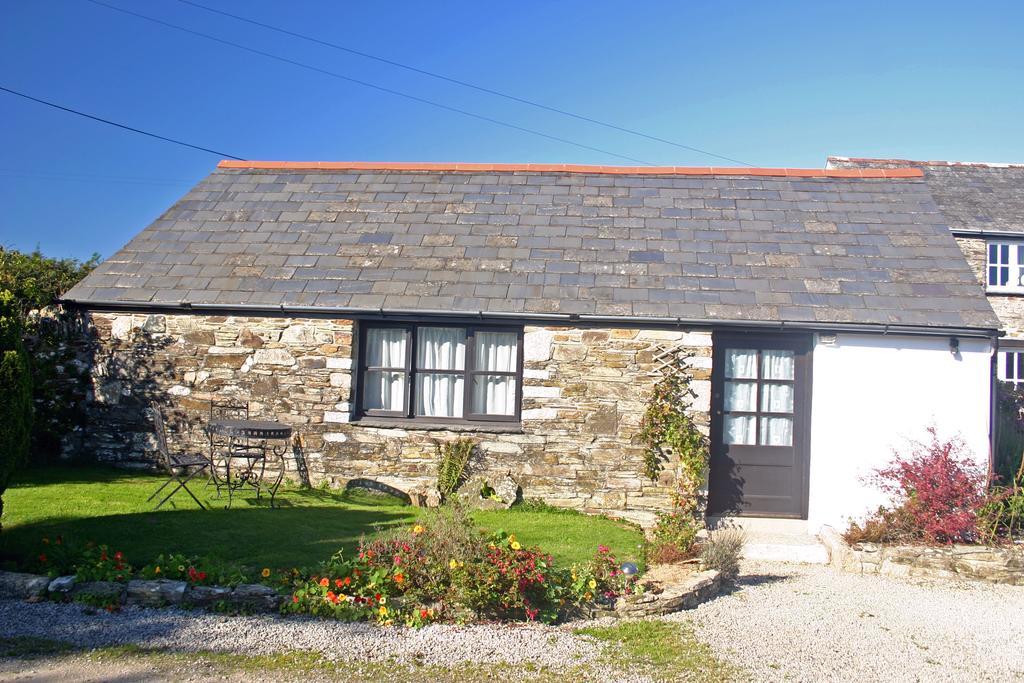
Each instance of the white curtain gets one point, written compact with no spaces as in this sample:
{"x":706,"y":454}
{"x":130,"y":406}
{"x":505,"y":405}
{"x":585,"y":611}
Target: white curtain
{"x":741,"y":363}
{"x":740,"y":429}
{"x":776,"y":398}
{"x":776,"y":431}
{"x":778,"y":364}
{"x":741,"y":396}
{"x":440,"y":348}
{"x":384,"y":390}
{"x":495,"y":394}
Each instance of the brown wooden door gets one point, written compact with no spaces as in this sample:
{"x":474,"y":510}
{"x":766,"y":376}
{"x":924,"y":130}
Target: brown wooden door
{"x":760,"y":410}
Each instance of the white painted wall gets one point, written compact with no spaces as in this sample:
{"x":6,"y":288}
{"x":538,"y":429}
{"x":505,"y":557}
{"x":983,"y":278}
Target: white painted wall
{"x":873,"y":393}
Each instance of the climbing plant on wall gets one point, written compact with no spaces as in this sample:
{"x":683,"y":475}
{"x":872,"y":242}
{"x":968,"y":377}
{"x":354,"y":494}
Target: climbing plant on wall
{"x":668,"y":431}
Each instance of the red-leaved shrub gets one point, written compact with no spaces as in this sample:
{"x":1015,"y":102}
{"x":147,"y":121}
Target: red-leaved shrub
{"x":936,"y":490}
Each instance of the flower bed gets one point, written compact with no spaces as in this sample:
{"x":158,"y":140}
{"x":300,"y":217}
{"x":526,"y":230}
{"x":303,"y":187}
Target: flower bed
{"x":443,"y":569}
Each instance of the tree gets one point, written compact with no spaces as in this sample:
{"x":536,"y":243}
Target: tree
{"x":16,"y":393}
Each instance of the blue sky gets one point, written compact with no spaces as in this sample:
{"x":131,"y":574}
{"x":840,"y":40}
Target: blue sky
{"x":772,"y":84}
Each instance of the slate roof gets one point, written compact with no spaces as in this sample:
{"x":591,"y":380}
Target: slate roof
{"x":972,"y":196}
{"x":766,"y":245}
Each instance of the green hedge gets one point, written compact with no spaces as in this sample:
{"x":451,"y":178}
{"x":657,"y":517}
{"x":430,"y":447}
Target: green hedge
{"x":15,"y":393}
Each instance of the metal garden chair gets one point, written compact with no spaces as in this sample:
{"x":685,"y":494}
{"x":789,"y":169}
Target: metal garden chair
{"x":181,"y":467}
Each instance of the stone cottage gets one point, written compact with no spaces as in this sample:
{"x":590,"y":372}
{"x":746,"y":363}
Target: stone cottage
{"x":381,"y":307}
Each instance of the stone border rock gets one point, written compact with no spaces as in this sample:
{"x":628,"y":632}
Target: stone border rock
{"x":249,"y":598}
{"x":695,"y":589}
{"x":975,"y":562}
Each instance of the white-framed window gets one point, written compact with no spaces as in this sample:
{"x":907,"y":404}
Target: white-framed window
{"x":1011,"y":366}
{"x":1005,"y":267}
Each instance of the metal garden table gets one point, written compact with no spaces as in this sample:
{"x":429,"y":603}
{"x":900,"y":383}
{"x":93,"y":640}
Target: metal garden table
{"x":243,"y":454}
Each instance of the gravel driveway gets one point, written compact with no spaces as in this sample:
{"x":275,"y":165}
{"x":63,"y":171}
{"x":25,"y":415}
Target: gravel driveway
{"x":812,"y":623}
{"x":783,"y":622}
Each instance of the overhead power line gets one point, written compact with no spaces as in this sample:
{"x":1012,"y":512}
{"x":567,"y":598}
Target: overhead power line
{"x":465,"y":84}
{"x":368,"y":84}
{"x":118,"y":125}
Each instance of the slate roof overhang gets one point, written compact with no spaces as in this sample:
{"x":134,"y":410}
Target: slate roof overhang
{"x":852,"y":249}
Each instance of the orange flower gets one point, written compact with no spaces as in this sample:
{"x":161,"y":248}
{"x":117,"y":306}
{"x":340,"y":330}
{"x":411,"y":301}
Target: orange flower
{"x":348,"y":580}
{"x":324,"y":582}
{"x":332,"y":597}
{"x":399,"y":578}
{"x":339,"y":583}
{"x":295,"y":598}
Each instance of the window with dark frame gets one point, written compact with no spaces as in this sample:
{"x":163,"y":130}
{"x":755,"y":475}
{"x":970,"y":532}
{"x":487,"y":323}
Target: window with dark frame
{"x":440,"y":373}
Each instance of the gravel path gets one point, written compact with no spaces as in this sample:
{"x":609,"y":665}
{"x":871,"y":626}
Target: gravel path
{"x":813,"y":623}
{"x":196,"y":631}
{"x":783,"y":622}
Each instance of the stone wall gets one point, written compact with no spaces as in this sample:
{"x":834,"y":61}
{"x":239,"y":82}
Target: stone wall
{"x":584,"y":394}
{"x":982,"y":563}
{"x":1009,"y":308}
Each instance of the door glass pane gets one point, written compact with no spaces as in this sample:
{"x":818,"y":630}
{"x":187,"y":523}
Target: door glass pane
{"x":385,"y":347}
{"x":741,"y":396}
{"x":441,"y":348}
{"x":776,"y":398}
{"x":439,"y":395}
{"x":494,"y":395}
{"x":495,"y":351}
{"x":741,"y":363}
{"x":778,"y":364}
{"x":776,"y":431}
{"x":740,"y":429}
{"x":384,"y":390}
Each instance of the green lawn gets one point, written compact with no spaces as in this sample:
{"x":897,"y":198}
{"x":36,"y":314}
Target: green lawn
{"x":109,"y":506}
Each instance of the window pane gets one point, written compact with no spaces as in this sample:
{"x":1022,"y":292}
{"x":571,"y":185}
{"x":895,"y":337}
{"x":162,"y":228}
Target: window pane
{"x":1004,"y":253}
{"x":993,"y":275}
{"x":740,"y":429}
{"x":1020,"y":365}
{"x":494,"y":395}
{"x":385,"y":347}
{"x":384,"y":390}
{"x":777,"y":398}
{"x":441,"y":348}
{"x":777,"y":364}
{"x":776,"y":431}
{"x":741,"y":363}
{"x":1004,"y":275}
{"x":439,"y":395}
{"x":496,"y":351}
{"x":741,"y":396}
{"x":991,"y":253}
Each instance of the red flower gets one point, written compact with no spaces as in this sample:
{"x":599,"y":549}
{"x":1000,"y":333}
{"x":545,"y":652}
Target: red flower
{"x":118,"y":556}
{"x":325,"y":582}
{"x":424,"y":614}
{"x":295,"y":598}
{"x":42,"y":557}
{"x":202,"y":576}
{"x":332,"y":597}
{"x":339,"y":583}
{"x":377,"y":597}
{"x":348,"y":580}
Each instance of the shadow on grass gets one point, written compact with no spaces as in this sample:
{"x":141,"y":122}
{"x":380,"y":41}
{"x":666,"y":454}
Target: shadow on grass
{"x":300,"y":536}
{"x":71,"y":474}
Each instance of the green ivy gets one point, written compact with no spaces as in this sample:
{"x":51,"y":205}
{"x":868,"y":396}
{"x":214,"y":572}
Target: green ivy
{"x":668,"y":429}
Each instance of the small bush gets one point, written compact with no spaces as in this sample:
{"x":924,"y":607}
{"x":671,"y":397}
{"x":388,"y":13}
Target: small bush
{"x":674,"y":538}
{"x":98,"y":563}
{"x":15,"y":393}
{"x":936,"y":490}
{"x":452,"y":464}
{"x":723,"y":550}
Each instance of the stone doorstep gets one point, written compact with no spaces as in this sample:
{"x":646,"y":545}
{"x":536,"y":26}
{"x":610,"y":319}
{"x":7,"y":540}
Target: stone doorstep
{"x":776,"y":540}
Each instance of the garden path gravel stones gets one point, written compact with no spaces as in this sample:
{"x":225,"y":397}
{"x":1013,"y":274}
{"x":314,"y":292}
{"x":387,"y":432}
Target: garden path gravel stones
{"x":812,"y":623}
{"x":197,"y":631}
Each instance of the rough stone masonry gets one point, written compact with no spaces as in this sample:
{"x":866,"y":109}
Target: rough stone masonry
{"x":584,"y":394}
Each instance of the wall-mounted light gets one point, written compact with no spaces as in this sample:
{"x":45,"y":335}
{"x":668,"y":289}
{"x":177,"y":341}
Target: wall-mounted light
{"x":954,"y":345}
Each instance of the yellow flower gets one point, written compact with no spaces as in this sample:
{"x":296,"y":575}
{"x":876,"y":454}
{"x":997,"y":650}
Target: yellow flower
{"x":383,"y":611}
{"x":452,"y":564}
{"x":157,"y":570}
{"x":265,"y":573}
{"x":515,"y":545}
{"x":587,"y":596}
{"x":574,"y":576}
{"x":419,"y":529}
{"x":593,"y":584}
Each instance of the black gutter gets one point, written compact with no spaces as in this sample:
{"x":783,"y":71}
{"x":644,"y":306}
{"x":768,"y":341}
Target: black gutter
{"x":983,"y":234}
{"x":568,"y":319}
